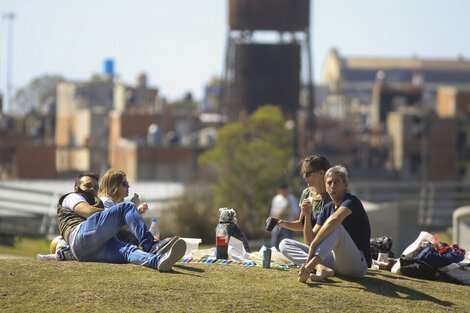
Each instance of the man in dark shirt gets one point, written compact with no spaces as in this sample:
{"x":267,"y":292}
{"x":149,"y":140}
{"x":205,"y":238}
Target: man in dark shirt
{"x":342,"y":233}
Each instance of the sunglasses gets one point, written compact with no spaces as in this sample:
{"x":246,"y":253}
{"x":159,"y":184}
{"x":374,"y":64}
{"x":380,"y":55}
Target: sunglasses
{"x":307,"y":173}
{"x":125,"y":183}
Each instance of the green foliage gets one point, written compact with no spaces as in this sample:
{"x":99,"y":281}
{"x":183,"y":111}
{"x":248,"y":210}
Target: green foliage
{"x":27,"y":247}
{"x":249,"y":161}
{"x":192,"y":215}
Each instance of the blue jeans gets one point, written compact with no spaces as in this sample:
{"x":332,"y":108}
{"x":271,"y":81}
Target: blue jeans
{"x":278,"y":234}
{"x":96,"y":239}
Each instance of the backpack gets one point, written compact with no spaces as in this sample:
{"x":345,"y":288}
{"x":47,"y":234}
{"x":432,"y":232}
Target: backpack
{"x":422,"y":260}
{"x":422,"y":270}
{"x":381,"y":245}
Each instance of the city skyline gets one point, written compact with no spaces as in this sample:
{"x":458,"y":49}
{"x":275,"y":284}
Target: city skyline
{"x":180,"y":45}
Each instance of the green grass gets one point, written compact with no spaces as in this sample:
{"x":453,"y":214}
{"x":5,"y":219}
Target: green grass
{"x":30,"y":285}
{"x":27,"y":247}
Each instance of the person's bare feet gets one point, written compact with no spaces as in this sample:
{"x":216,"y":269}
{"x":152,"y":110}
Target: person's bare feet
{"x":303,"y":274}
{"x":322,"y":272}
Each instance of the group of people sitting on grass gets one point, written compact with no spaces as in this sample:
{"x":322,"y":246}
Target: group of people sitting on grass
{"x":335,"y":225}
{"x":100,"y":227}
{"x":109,"y":230}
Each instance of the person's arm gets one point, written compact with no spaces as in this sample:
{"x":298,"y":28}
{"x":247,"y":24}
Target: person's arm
{"x":307,"y":209}
{"x":309,"y":231}
{"x":314,"y":233}
{"x":85,"y":210}
{"x":330,"y":224}
{"x":291,"y":225}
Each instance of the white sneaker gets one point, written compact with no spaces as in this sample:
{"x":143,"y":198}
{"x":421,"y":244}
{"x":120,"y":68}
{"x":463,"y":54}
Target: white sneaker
{"x":171,"y":257}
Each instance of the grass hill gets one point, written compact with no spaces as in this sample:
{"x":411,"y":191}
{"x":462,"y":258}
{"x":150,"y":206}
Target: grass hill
{"x":30,"y":285}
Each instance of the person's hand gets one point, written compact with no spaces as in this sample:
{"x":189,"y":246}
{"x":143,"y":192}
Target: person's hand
{"x":143,"y":208}
{"x":136,"y":199}
{"x":278,"y":224}
{"x":306,"y":207}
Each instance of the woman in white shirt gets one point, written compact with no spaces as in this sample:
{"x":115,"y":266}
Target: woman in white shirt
{"x":113,"y":189}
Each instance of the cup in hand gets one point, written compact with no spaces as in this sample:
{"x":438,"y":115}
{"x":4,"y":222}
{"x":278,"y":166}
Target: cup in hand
{"x":271,"y":222}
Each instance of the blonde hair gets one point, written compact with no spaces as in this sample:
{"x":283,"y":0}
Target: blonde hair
{"x":110,"y":183}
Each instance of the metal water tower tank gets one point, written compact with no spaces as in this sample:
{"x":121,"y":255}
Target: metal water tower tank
{"x":279,"y":15}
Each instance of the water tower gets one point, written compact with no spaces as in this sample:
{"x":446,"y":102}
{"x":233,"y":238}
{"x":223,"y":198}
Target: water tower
{"x":268,"y":59}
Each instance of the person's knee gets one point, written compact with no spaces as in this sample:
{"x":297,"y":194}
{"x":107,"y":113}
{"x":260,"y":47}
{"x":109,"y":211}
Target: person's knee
{"x":126,"y":206}
{"x":283,"y":245}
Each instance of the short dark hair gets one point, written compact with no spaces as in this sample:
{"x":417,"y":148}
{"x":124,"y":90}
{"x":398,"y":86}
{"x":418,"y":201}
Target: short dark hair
{"x":83,"y":174}
{"x":317,"y":162}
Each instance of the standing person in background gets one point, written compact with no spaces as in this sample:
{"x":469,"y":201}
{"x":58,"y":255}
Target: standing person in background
{"x":312,"y":201}
{"x":114,"y":188}
{"x":284,"y":206}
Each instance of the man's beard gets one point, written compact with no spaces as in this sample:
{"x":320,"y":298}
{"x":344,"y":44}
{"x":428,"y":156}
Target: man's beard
{"x":87,"y":191}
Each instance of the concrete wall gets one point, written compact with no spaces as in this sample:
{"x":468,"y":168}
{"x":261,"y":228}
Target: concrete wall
{"x":461,"y":227}
{"x":398,"y":220}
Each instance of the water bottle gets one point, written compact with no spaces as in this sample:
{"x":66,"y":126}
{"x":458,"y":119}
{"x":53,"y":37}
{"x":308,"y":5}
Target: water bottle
{"x":154,"y":229}
{"x":221,"y":241}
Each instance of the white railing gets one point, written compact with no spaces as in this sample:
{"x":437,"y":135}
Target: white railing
{"x":22,"y":202}
{"x":435,"y":201}
{"x":29,"y":207}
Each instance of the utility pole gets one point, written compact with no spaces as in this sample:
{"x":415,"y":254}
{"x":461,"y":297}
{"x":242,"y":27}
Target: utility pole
{"x":10,"y":16}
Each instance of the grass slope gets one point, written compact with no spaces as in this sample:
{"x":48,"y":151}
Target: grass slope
{"x":29,"y":285}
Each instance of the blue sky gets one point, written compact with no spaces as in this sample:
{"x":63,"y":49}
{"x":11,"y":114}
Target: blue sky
{"x":180,"y":44}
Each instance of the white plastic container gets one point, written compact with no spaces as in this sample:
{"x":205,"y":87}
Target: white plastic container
{"x":192,"y":244}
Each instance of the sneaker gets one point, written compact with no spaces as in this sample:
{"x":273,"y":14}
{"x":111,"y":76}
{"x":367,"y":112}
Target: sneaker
{"x":171,"y":257}
{"x":163,"y":246}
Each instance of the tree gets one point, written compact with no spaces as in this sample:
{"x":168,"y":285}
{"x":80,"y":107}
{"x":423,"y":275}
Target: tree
{"x":249,"y":161}
{"x":40,"y":92}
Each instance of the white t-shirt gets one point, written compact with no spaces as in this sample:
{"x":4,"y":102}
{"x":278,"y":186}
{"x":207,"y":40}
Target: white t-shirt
{"x":108,"y":202}
{"x":70,"y":202}
{"x":283,"y":207}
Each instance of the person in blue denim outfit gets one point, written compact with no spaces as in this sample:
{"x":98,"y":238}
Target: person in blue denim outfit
{"x":91,"y":231}
{"x":114,"y":188}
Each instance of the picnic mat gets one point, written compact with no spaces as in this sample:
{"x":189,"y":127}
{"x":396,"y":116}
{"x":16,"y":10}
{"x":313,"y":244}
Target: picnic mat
{"x":237,"y":256}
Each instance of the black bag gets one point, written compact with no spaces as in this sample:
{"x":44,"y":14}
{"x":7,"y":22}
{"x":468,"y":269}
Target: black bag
{"x":419,"y":269}
{"x":381,"y":245}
